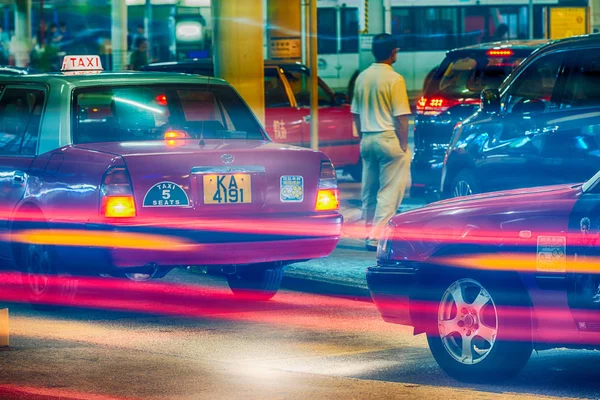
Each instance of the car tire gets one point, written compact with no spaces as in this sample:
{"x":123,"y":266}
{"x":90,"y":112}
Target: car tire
{"x":46,"y":287}
{"x":356,"y":171}
{"x":464,"y":184}
{"x":496,"y":324}
{"x":258,"y":284}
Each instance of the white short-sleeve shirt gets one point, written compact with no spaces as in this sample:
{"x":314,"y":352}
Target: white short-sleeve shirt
{"x":379,"y":96}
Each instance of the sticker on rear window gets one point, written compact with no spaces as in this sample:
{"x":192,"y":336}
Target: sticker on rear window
{"x":166,"y":194}
{"x":552,"y":254}
{"x":291,"y":189}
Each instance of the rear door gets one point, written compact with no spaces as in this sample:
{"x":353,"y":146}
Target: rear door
{"x":20,"y":117}
{"x":513,"y":152}
{"x":284,"y":122}
{"x":571,"y":153}
{"x":584,"y":250}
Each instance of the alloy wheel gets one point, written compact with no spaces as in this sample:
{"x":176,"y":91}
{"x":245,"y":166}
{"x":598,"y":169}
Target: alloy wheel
{"x":467,"y":321}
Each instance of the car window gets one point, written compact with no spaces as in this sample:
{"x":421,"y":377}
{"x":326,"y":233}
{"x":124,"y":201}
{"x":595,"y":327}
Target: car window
{"x":533,"y":89}
{"x":300,"y":84}
{"x":113,"y":114}
{"x":466,"y":77}
{"x":582,"y":88}
{"x":275,"y":93}
{"x":20,"y":117}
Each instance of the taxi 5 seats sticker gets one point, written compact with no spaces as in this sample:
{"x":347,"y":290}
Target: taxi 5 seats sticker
{"x":291,"y":189}
{"x":166,"y":194}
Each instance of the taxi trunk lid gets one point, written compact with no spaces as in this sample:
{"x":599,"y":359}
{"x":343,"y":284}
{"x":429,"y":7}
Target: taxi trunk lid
{"x":186,"y":178}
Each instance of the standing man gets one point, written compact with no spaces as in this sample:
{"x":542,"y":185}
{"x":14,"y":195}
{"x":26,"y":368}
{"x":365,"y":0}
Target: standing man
{"x":139,"y":56}
{"x":380,"y":108}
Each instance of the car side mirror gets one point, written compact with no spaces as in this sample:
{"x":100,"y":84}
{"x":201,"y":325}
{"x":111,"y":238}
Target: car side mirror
{"x":341,"y":98}
{"x":490,"y":101}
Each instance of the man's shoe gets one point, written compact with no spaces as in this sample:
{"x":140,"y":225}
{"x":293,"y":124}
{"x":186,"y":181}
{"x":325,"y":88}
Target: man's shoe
{"x":371,"y":245}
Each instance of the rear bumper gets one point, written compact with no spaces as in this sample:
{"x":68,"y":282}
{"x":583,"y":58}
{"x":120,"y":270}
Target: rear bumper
{"x":391,"y":290}
{"x":317,"y":236}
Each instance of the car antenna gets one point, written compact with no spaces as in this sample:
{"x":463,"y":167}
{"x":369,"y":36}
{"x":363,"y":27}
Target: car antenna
{"x":202,"y":142}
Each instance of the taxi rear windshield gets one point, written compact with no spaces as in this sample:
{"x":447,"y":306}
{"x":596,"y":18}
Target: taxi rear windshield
{"x":115,"y":114}
{"x":467,"y":76}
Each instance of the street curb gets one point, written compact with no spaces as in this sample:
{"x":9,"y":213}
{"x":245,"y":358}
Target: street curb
{"x":326,"y":288}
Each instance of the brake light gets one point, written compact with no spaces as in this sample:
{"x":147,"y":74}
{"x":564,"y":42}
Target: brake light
{"x":118,"y":207}
{"x":437,"y":105}
{"x":176,"y":135}
{"x":500,"y":53}
{"x":116,"y":192}
{"x":327,"y":200}
{"x":434,"y":105}
{"x":328,"y":192}
{"x":161,"y":100}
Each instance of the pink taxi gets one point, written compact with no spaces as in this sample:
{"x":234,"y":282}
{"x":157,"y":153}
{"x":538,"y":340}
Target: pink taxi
{"x":134,"y":174}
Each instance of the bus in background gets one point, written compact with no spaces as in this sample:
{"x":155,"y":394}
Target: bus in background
{"x":425,"y":30}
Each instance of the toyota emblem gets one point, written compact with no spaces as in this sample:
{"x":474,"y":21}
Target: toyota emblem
{"x":227,"y":158}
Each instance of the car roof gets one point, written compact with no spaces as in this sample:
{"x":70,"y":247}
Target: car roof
{"x":522,"y":46}
{"x":115,"y":78}
{"x":574,"y":42}
{"x":208,"y":63}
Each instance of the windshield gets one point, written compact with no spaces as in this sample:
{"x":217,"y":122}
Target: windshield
{"x":114,"y":114}
{"x":591,"y":183}
{"x":467,"y":76}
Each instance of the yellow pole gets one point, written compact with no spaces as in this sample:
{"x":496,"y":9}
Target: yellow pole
{"x":314,"y":78}
{"x":239,"y":50}
{"x":119,"y":35}
{"x":284,"y":29}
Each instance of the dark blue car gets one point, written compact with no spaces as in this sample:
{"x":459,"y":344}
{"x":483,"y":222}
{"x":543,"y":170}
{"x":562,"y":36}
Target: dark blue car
{"x":451,"y":94}
{"x":541,"y":127}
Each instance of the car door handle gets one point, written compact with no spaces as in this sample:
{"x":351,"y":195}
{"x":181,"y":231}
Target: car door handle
{"x":18,"y":178}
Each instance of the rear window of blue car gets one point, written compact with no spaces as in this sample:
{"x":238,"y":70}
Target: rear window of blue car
{"x":466,"y":76}
{"x":137,"y":113}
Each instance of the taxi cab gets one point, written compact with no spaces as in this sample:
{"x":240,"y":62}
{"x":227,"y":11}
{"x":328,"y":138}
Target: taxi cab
{"x":287,"y":109}
{"x":133,"y":174}
{"x":491,"y":277}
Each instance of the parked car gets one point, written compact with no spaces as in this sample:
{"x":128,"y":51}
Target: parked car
{"x":287,"y":102}
{"x":491,"y":277}
{"x":173,"y":157}
{"x":451,"y":94}
{"x":540,"y":127}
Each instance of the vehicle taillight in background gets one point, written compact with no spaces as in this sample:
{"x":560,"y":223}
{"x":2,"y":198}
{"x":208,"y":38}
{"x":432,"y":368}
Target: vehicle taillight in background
{"x":500,"y":53}
{"x":437,"y":105}
{"x":117,"y":194}
{"x":328,"y":193}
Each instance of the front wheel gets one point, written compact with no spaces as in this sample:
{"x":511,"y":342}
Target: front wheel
{"x":482,"y":330}
{"x":258,"y":284}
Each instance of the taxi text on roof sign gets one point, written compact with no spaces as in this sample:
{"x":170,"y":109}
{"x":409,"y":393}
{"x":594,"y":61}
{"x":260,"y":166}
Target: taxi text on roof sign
{"x":81,"y":63}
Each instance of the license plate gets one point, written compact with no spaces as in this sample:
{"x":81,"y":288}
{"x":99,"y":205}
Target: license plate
{"x":227,"y":189}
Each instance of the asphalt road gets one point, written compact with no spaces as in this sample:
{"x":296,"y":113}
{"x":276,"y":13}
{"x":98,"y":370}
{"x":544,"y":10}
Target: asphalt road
{"x":186,"y":337}
{"x":296,"y":346}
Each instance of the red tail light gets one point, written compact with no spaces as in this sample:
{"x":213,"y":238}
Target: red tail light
{"x":116,"y":193}
{"x":328,"y":196}
{"x":437,"y":105}
{"x":161,"y":100}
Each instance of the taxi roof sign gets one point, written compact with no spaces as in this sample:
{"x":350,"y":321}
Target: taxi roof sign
{"x":81,"y":64}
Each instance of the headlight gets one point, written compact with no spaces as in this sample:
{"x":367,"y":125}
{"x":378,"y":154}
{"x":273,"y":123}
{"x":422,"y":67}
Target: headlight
{"x":384,"y":248}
